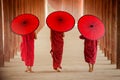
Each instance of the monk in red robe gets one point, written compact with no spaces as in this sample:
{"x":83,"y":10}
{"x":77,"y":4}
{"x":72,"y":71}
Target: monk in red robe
{"x":27,"y":50}
{"x":90,"y":52}
{"x":57,"y":43}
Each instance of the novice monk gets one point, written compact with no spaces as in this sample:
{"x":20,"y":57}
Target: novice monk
{"x":90,"y":52}
{"x":27,"y":50}
{"x":57,"y":43}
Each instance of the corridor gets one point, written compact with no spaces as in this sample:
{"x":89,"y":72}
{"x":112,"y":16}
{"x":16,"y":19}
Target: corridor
{"x":74,"y":67}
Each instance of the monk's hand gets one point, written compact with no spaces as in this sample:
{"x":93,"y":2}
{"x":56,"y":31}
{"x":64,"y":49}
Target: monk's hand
{"x":35,"y":36}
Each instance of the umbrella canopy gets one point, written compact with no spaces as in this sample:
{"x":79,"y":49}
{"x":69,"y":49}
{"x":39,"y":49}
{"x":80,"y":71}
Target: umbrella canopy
{"x":91,"y":27}
{"x":24,"y":24}
{"x":60,"y":21}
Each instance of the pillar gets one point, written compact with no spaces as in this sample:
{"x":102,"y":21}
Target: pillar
{"x":1,"y":38}
{"x":118,"y":34}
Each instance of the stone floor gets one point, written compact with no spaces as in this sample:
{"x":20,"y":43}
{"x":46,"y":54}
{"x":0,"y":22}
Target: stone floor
{"x":74,"y":66}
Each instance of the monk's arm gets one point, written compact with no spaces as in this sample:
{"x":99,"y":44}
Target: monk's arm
{"x":35,"y":35}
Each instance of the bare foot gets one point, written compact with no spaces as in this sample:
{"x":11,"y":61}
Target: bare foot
{"x":27,"y":69}
{"x":58,"y":69}
{"x":90,"y":69}
{"x":30,"y":70}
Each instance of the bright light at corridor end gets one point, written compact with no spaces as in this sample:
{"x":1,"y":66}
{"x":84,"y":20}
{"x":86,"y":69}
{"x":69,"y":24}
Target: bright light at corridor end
{"x":74,"y":7}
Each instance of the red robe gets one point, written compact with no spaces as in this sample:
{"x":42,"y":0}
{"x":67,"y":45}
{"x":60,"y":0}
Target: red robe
{"x":27,"y":49}
{"x":90,"y":50}
{"x":57,"y":43}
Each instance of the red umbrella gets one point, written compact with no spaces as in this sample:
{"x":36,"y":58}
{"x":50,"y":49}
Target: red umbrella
{"x":91,"y":27}
{"x":24,"y":24}
{"x":60,"y":21}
